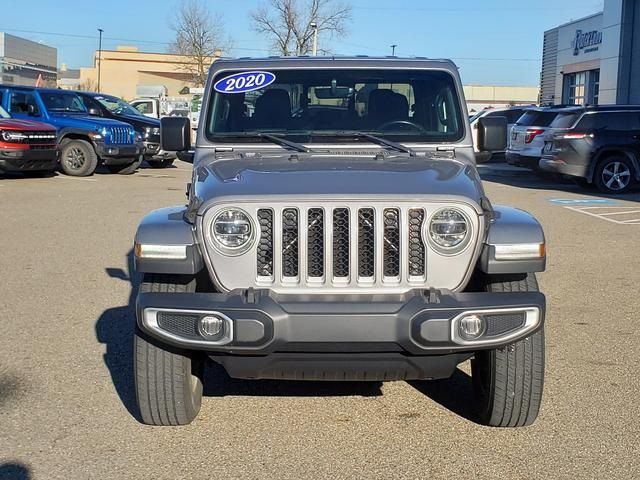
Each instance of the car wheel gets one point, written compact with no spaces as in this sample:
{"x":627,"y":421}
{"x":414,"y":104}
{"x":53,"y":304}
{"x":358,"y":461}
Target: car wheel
{"x":125,"y":169}
{"x":508,"y":381}
{"x":614,"y":174}
{"x":168,"y":381}
{"x":167,"y":162}
{"x":78,"y":158}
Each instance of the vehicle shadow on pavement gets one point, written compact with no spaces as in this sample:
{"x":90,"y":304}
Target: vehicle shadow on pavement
{"x":14,"y":471}
{"x":115,"y":329}
{"x":538,"y":181}
{"x":218,"y":384}
{"x":455,"y":393}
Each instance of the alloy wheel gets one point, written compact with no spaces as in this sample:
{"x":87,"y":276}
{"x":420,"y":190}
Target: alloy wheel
{"x":75,"y":158}
{"x":616,"y":176}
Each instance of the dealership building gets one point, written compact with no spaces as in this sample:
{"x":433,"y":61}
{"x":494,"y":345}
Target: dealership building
{"x":594,"y":60}
{"x":25,"y":62}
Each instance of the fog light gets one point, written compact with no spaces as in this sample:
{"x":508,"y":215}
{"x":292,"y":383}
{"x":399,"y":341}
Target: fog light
{"x":471,"y":327}
{"x":211,"y":326}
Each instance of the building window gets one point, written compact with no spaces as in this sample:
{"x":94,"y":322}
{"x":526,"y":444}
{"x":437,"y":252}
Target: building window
{"x":582,"y":88}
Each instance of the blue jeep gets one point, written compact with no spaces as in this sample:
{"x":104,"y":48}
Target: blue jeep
{"x":84,"y":140}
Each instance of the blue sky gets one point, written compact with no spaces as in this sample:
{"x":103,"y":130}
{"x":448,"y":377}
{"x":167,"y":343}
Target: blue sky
{"x":497,"y":42}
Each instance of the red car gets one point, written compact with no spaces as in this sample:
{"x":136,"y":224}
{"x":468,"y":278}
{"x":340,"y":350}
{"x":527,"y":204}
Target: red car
{"x":27,"y":146}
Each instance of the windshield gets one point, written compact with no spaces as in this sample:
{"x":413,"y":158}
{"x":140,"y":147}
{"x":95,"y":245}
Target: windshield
{"x":117,"y":106}
{"x":401,"y":105}
{"x":63,"y":102}
{"x":565,"y":120}
{"x":3,"y":113}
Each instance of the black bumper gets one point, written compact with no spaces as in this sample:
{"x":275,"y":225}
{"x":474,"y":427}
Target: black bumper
{"x":288,"y":336}
{"x":118,"y":154}
{"x":28,"y":160}
{"x":522,"y":160}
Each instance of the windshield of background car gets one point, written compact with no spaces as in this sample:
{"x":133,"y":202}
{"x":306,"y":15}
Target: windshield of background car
{"x":400,"y":105}
{"x":3,"y":113}
{"x":117,"y":106}
{"x":565,"y":120}
{"x":63,"y":102}
{"x":537,"y":118}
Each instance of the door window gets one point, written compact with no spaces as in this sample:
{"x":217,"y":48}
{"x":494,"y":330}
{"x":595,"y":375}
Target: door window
{"x":144,"y":107}
{"x":23,"y":103}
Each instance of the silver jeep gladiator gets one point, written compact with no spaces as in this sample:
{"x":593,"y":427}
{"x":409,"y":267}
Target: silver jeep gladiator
{"x":337,"y":229}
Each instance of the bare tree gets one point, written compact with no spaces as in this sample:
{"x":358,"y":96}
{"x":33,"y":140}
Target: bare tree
{"x":288,"y":23}
{"x":199,"y":35}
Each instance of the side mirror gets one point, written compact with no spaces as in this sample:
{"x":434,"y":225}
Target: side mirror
{"x":175,"y":134}
{"x":492,"y":134}
{"x":94,"y":112}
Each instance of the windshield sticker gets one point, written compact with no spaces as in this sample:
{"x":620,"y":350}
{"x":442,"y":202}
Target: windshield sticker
{"x":244,"y":82}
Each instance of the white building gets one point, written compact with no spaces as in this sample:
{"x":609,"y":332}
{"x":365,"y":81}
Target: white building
{"x":594,"y":60}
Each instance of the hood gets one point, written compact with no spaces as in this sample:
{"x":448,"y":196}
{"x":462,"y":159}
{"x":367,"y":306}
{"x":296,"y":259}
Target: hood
{"x":339,"y":176}
{"x":139,"y":121}
{"x":86,"y":121}
{"x":24,"y":125}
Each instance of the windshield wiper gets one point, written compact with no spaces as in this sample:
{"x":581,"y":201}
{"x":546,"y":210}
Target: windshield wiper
{"x":273,"y":139}
{"x":374,"y":139}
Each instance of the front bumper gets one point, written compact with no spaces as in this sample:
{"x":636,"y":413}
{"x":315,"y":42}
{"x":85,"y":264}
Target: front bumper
{"x":118,"y":154}
{"x":520,"y":160}
{"x":153,"y":152}
{"x":28,"y":160}
{"x":265,"y":332}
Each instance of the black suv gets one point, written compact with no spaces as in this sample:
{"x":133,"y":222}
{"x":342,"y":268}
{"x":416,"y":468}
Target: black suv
{"x":596,"y":145}
{"x":149,"y":128}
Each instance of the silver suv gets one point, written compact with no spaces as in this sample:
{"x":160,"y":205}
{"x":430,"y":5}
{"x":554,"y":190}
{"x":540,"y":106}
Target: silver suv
{"x":337,"y":229}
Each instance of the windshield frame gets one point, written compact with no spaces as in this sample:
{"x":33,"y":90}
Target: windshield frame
{"x":62,"y":110}
{"x":304,"y":136}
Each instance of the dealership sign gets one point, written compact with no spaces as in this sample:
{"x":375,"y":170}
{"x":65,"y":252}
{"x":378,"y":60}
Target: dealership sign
{"x":586,"y":41}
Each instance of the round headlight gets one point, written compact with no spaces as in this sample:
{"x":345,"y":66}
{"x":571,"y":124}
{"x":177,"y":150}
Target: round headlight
{"x":449,"y":230}
{"x":232,"y":230}
{"x":6,"y":136}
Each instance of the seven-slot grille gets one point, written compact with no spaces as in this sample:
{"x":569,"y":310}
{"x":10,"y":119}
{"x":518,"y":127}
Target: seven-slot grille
{"x":121,"y":135}
{"x":341,"y":245}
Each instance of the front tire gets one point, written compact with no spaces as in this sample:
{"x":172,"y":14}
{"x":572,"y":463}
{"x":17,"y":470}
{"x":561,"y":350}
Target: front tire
{"x":508,"y":381}
{"x":78,"y":158}
{"x":168,"y":382}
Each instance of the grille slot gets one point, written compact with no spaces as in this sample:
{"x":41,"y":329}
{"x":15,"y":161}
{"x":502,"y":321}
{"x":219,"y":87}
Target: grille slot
{"x":341,"y":243}
{"x":416,"y":244}
{"x":290,"y":247}
{"x":366,"y":243}
{"x":391,"y":242}
{"x":315,"y":243}
{"x":265,"y":245}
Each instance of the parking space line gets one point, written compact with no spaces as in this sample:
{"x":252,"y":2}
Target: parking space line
{"x":621,"y":213}
{"x":64,"y":177}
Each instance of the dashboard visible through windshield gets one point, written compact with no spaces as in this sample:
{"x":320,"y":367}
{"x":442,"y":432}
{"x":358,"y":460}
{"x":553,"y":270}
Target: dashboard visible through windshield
{"x":312,"y":105}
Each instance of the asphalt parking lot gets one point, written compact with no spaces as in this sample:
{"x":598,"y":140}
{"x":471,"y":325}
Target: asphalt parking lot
{"x":66,"y":392}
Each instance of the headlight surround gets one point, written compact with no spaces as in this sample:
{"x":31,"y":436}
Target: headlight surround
{"x":232,"y":231}
{"x":11,"y":136}
{"x":449,"y":230}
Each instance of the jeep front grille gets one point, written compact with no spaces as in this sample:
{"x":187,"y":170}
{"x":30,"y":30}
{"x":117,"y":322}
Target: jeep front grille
{"x":332,"y":245}
{"x":120,"y":136}
{"x":316,"y":233}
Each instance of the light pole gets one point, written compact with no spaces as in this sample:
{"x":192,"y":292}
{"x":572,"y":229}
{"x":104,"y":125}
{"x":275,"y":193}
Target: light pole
{"x":393,"y":50}
{"x":314,"y":49}
{"x":99,"y":56}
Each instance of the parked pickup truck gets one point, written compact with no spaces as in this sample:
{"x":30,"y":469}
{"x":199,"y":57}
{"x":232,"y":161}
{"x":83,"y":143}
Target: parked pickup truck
{"x":84,"y":140}
{"x":27,"y":146}
{"x":343,"y":240}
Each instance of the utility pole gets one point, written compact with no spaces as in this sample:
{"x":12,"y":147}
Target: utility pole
{"x":314,"y":50}
{"x":393,"y":50}
{"x":99,"y":56}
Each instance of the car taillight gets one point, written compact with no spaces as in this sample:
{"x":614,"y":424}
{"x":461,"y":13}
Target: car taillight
{"x":575,"y":136}
{"x":531,"y":134}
